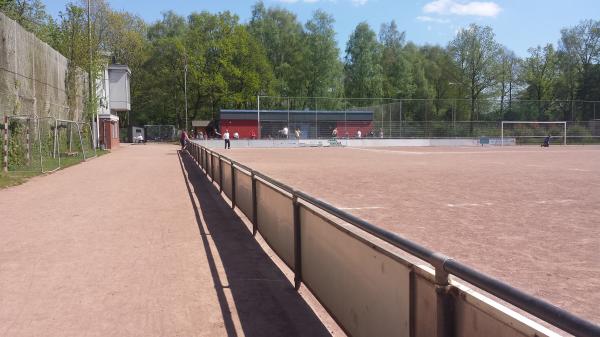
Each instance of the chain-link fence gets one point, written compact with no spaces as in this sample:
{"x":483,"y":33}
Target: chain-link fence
{"x":416,"y":118}
{"x":160,"y":133}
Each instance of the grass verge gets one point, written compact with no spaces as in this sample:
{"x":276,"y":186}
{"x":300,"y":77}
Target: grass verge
{"x":16,"y":178}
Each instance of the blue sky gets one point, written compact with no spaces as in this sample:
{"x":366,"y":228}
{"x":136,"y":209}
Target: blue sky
{"x":518,"y":24}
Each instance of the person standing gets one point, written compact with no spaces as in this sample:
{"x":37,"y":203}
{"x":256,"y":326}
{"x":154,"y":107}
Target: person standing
{"x":297,"y":132}
{"x":285,"y":132}
{"x":226,"y":138}
{"x":334,"y":133}
{"x":358,"y":134}
{"x":183,"y":139}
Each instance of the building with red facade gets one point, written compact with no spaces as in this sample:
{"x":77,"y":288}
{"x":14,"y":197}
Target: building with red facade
{"x":312,"y":124}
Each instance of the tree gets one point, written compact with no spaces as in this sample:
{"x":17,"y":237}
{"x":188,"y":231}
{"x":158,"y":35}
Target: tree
{"x":31,"y":15}
{"x":508,"y":72}
{"x":579,"y":50}
{"x":322,"y":68}
{"x":397,"y":76}
{"x":441,"y":73}
{"x":363,"y":72}
{"x":475,"y":52}
{"x":281,"y":35}
{"x":540,"y":74}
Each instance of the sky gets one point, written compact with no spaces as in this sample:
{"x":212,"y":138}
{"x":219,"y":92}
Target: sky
{"x":518,"y":24}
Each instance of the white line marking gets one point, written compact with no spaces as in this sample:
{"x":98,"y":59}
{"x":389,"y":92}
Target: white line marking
{"x":563,"y":201}
{"x":470,"y":205}
{"x":579,"y":170}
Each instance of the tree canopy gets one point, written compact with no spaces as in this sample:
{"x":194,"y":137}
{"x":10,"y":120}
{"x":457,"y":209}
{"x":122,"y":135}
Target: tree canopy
{"x":227,"y":63}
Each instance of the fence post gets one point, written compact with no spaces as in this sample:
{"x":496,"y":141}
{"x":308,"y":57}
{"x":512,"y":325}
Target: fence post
{"x":5,"y":147}
{"x":212,"y":167}
{"x":220,"y":160}
{"x":28,"y":142}
{"x":232,"y":185}
{"x":254,"y":204}
{"x":297,"y":243}
{"x":81,"y":141}
{"x":444,"y":305}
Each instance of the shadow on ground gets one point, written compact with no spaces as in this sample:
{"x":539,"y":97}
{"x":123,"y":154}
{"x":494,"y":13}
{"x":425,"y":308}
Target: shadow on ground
{"x":266,"y":303}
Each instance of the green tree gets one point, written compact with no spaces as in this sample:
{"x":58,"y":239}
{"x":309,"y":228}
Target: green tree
{"x":508,"y":79}
{"x":363,"y":72}
{"x":397,"y":73}
{"x":31,"y":15}
{"x":540,"y":74}
{"x":278,"y":31}
{"x":475,"y":52}
{"x":322,"y":68}
{"x":579,"y":50}
{"x":441,"y":73}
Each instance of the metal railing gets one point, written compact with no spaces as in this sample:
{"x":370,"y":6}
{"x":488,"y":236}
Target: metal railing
{"x":446,"y":303}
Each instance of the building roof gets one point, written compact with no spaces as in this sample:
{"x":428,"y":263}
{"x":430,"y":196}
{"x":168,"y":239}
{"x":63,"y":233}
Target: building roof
{"x":123,"y":67}
{"x":297,"y":115}
{"x":200,"y":123}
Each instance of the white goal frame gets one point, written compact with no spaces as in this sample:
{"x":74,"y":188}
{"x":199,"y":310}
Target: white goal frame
{"x":564,"y":124}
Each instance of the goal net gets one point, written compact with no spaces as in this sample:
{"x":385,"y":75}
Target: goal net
{"x":534,"y":133}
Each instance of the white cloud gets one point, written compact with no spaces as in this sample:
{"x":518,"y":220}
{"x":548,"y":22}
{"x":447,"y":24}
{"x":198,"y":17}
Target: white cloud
{"x":359,"y":2}
{"x":430,"y":19}
{"x":471,"y":8}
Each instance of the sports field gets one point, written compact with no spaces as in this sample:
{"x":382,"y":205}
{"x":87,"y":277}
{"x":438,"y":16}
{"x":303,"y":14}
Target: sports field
{"x":526,"y":215}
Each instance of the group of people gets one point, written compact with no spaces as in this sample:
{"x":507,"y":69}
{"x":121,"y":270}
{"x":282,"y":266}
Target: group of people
{"x":184,"y":138}
{"x":359,"y":134}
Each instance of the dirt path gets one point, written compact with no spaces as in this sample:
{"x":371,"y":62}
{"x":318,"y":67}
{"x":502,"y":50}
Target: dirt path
{"x":136,"y":244}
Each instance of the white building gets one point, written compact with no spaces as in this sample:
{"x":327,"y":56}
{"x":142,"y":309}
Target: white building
{"x":113,"y":93}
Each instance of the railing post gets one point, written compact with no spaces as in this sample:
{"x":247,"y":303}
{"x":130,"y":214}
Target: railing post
{"x":212,"y":168}
{"x":232,"y":186}
{"x":297,"y":243}
{"x":444,"y":305}
{"x":254,"y":205}
{"x":220,"y":160}
{"x":5,"y":147}
{"x":202,"y":161}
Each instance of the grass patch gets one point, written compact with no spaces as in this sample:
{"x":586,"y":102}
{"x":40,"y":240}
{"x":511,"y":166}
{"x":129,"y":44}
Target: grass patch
{"x":16,"y":178}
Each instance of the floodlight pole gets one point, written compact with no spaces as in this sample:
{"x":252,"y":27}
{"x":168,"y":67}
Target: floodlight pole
{"x":185,"y":93}
{"x":90,"y":84}
{"x":258,"y":117}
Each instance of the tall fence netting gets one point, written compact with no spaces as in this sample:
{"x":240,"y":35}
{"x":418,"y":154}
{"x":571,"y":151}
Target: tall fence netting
{"x":416,"y":118}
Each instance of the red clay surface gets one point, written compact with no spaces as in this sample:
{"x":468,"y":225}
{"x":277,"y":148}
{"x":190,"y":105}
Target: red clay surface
{"x":526,"y":215}
{"x":138,"y":243}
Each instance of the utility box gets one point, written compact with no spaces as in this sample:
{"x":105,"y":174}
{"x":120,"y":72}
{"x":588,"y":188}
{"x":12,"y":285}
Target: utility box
{"x":119,"y":76}
{"x":136,"y":134}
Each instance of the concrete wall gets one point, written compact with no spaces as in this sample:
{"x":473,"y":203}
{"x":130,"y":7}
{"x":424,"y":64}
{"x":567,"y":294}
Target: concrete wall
{"x":33,"y":77}
{"x":365,"y":142}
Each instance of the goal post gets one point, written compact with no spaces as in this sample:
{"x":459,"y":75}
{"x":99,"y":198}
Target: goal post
{"x":526,"y":132}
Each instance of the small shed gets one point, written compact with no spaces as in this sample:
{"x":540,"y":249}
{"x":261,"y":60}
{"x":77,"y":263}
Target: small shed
{"x":199,"y":127}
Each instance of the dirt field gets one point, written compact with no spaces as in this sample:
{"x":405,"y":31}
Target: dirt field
{"x":527,"y":215}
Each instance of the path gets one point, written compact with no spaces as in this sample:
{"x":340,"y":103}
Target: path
{"x":136,"y":243}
